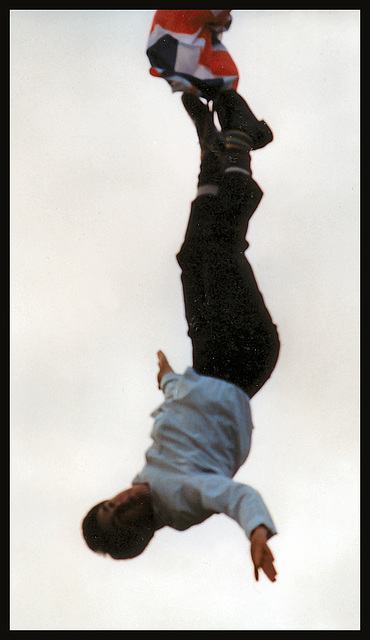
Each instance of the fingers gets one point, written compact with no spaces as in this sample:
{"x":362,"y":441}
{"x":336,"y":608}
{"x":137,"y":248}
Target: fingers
{"x":163,"y":366}
{"x":161,"y":357}
{"x":269,"y":570}
{"x":265,"y":560}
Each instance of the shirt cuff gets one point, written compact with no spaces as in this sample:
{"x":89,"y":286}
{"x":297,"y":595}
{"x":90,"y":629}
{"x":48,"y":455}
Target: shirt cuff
{"x":256,"y":522}
{"x":171,"y":375}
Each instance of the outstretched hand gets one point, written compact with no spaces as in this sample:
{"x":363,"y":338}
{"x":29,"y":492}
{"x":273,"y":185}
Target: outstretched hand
{"x":261,"y":554}
{"x":164,"y":367}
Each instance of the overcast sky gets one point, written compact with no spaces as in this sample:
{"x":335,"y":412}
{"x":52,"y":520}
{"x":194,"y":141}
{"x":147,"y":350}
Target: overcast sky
{"x":104,"y":162}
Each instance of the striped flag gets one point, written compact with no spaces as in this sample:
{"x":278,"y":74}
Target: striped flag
{"x":185,"y":48}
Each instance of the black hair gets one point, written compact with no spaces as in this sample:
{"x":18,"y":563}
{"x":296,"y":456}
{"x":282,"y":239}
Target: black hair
{"x":120,"y":542}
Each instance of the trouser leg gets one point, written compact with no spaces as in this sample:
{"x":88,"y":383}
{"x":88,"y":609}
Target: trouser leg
{"x":232,"y":333}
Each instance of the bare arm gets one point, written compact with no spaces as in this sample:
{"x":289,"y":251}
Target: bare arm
{"x":261,"y":554}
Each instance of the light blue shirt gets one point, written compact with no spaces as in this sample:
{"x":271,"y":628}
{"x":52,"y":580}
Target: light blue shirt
{"x":201,"y":437}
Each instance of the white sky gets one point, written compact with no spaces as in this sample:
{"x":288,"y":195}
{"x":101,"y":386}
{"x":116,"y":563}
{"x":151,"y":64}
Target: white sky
{"x":104,"y":166}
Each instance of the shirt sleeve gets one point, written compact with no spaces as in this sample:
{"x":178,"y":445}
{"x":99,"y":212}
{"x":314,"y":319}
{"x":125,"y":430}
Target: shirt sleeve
{"x":240,"y":502}
{"x":169,"y":384}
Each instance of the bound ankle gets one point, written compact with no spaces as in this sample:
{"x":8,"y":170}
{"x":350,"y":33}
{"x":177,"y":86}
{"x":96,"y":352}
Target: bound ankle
{"x":238,"y":144}
{"x":207,"y":190}
{"x":237,"y":140}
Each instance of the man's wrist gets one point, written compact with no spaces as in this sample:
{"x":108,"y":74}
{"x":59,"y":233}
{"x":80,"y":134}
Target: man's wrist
{"x":261,"y":531}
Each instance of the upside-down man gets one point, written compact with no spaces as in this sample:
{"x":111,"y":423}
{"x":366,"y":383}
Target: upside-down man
{"x":202,"y":431}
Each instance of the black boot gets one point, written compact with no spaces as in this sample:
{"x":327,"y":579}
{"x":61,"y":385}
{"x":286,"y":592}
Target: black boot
{"x":210,"y":139}
{"x":212,"y":144}
{"x":234,"y":114}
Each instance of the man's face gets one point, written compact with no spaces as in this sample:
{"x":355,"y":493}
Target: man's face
{"x":131,"y":503}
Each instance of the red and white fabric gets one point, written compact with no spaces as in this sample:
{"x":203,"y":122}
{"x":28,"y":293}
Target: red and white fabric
{"x":185,"y":48}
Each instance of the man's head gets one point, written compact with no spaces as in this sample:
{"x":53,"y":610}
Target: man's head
{"x":122,"y":526}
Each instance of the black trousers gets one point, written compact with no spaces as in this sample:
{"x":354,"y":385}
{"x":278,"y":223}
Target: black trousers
{"x":232,"y":333}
